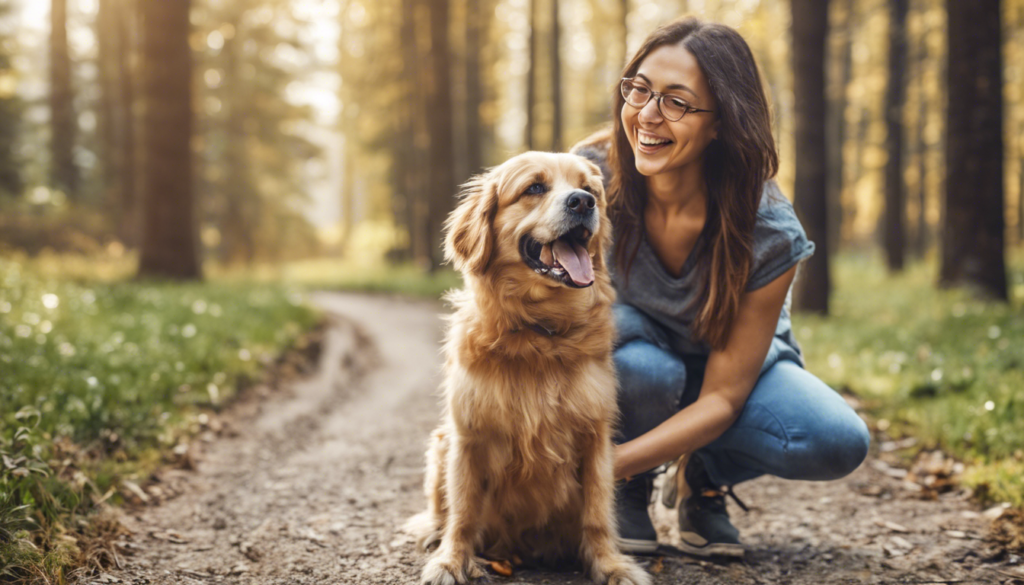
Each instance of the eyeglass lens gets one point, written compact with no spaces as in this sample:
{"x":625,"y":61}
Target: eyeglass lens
{"x":637,"y":95}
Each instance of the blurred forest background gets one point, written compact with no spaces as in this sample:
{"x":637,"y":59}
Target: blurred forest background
{"x":170,"y":168}
{"x":342,"y":128}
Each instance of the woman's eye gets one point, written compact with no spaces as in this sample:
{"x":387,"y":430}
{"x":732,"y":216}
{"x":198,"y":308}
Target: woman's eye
{"x":536,"y":189}
{"x":641,"y":90}
{"x":679,"y":103}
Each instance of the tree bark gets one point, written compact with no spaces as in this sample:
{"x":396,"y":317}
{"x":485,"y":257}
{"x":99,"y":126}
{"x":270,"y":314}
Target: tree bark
{"x":919,"y":245}
{"x":531,"y":78}
{"x":973,"y":238}
{"x":895,"y":97}
{"x":439,"y":103}
{"x":168,"y":240}
{"x":346,"y":69}
{"x":415,"y":172}
{"x":556,"y":78}
{"x":836,"y":129}
{"x":810,"y":26}
{"x":624,"y":39}
{"x":474,"y":90}
{"x":63,"y":124}
{"x":108,"y":47}
{"x":130,"y":219}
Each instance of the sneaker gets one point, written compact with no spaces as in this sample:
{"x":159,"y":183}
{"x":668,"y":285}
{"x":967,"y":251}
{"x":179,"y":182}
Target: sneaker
{"x":636,"y":532}
{"x":704,"y":526}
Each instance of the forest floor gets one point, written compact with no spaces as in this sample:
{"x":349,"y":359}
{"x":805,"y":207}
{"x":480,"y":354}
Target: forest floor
{"x":310,"y":483}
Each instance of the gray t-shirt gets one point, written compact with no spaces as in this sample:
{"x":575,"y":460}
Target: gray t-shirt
{"x":779,"y":243}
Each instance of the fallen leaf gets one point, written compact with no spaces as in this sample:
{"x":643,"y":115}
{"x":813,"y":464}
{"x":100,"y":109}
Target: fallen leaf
{"x":501,"y":567}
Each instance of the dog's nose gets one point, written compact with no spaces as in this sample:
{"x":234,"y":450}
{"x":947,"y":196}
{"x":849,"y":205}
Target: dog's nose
{"x":581,"y":202}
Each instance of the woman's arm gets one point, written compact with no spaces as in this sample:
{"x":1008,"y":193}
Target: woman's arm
{"x":728,"y":379}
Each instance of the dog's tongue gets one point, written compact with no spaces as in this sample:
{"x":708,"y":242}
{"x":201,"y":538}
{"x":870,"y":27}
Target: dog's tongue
{"x":574,"y":258}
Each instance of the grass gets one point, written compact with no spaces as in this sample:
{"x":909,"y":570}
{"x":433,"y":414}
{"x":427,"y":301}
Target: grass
{"x":99,"y":376}
{"x":935,"y":364}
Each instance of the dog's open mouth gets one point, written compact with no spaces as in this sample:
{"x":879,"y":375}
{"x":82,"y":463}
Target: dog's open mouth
{"x":565,"y":259}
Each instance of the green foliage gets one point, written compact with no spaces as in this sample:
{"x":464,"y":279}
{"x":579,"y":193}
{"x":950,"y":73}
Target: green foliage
{"x":405,"y":279}
{"x":112,"y":372}
{"x":934,"y":363}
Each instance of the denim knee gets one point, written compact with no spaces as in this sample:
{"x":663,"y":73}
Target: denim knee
{"x":651,"y":383}
{"x":632,"y":324}
{"x":836,"y":449}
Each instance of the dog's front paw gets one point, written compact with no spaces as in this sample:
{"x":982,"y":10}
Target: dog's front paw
{"x":619,"y":570}
{"x":443,"y":570}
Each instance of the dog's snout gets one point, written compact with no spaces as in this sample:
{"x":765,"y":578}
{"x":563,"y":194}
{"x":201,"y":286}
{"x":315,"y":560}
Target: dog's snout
{"x":581,"y":202}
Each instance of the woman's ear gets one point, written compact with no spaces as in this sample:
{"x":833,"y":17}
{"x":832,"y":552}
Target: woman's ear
{"x":469,"y":239}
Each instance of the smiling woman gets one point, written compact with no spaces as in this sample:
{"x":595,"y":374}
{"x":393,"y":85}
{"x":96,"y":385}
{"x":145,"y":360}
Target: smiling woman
{"x":705,"y":253}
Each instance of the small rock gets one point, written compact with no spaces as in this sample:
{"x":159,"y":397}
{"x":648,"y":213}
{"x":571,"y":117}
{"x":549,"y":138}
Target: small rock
{"x":892,"y":526}
{"x":995,"y":511}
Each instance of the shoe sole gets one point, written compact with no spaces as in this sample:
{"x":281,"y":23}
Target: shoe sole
{"x":637,"y":547}
{"x":713,"y":549}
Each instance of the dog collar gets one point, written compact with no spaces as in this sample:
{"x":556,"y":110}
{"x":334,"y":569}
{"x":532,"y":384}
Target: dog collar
{"x":538,"y":329}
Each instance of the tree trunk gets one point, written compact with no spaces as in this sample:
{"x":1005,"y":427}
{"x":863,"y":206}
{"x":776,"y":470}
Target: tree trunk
{"x":130,"y":218}
{"x":895,"y":97}
{"x":63,"y":124}
{"x":474,"y":91}
{"x":238,"y":223}
{"x":556,"y":78}
{"x":417,"y":190}
{"x":439,"y":104}
{"x":531,"y":78}
{"x":108,"y":47}
{"x":624,"y":39}
{"x":810,"y":26}
{"x":973,"y":238}
{"x":346,"y":69}
{"x":920,"y":242}
{"x":836,"y":129}
{"x":168,"y":240}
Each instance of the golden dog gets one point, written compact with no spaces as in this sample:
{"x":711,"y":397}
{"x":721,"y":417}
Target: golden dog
{"x":521,"y":466}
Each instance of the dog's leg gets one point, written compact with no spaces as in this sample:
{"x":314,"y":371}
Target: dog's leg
{"x":600,"y":554}
{"x":426,"y":526}
{"x":453,"y":561}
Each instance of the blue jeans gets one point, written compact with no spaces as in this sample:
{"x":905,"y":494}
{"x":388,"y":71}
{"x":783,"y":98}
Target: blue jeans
{"x":792,"y":426}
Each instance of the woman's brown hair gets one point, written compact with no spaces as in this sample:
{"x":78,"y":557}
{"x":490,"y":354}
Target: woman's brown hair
{"x":736,"y":165}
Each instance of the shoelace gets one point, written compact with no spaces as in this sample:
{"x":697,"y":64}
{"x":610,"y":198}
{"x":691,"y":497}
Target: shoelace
{"x":718,"y":497}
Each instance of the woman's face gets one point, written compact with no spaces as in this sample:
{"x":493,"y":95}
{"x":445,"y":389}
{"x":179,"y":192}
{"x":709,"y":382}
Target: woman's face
{"x":660,"y":146}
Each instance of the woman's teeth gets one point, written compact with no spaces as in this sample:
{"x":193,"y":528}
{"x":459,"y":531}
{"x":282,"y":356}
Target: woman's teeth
{"x":646,"y":141}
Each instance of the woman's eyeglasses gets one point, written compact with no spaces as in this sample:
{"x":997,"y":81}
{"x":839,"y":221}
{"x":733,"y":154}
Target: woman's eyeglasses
{"x":672,"y":108}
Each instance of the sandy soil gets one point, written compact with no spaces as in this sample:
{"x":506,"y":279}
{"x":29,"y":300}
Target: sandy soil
{"x":314,"y":480}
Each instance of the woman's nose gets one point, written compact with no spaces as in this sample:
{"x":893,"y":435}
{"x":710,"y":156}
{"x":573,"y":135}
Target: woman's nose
{"x":650,"y":114}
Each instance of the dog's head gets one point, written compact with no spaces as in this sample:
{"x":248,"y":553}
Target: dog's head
{"x":541,"y":214}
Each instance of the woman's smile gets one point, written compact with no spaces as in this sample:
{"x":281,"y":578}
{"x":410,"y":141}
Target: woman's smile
{"x":661,"y":145}
{"x":650,"y":143}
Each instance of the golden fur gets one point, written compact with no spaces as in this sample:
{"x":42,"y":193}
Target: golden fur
{"x":521,"y":466}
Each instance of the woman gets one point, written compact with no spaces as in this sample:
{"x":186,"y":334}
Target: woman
{"x":705,"y":254}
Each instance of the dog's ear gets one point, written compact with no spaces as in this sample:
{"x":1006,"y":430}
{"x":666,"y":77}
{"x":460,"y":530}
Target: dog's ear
{"x":469,"y":239}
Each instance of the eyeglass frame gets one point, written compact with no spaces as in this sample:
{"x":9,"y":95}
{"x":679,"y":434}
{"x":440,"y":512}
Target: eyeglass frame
{"x":661,"y":96}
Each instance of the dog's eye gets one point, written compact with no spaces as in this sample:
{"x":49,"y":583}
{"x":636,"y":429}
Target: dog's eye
{"x":536,"y":189}
{"x":588,"y":189}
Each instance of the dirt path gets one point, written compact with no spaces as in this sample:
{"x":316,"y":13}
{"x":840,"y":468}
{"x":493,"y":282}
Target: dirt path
{"x":312,"y":488}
